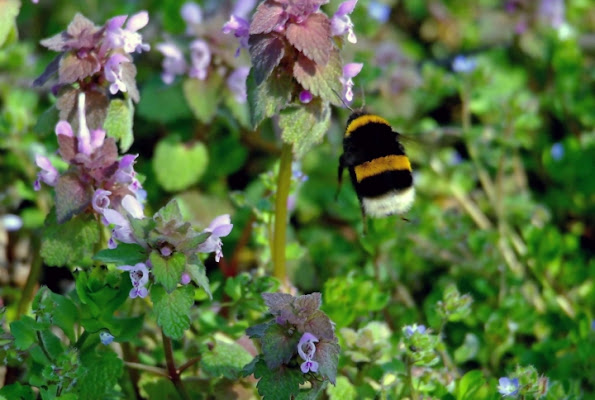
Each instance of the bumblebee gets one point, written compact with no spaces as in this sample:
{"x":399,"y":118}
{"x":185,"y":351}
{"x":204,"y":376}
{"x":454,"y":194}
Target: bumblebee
{"x":379,"y":169}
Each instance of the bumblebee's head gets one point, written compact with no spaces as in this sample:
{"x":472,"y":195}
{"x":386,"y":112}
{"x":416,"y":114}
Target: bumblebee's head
{"x":356,"y":114}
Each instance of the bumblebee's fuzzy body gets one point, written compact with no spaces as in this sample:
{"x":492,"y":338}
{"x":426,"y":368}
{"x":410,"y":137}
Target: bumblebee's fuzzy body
{"x":378,"y":166}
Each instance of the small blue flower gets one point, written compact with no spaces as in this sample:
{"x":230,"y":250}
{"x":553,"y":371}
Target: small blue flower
{"x":463,"y":64}
{"x":410,"y":330}
{"x":106,"y":337}
{"x":508,"y":387}
{"x":379,"y":11}
{"x":557,"y":151}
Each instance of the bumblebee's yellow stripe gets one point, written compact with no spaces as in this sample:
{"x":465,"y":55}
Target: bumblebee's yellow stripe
{"x":381,"y":164}
{"x":363,"y":120}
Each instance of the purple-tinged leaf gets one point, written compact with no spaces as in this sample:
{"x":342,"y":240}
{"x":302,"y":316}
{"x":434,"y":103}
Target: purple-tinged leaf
{"x":96,"y":105}
{"x":322,"y":81}
{"x":267,"y":17}
{"x":266,"y":53}
{"x":277,"y":301}
{"x":49,"y":71}
{"x":72,"y":197}
{"x":68,"y":147}
{"x":312,"y":37}
{"x":82,"y":27}
{"x":129,"y":79}
{"x":306,"y":305}
{"x":327,"y":357}
{"x":57,"y":42}
{"x":258,"y":331}
{"x":278,"y":345}
{"x":73,"y":68}
{"x":318,"y":324}
{"x":272,"y":95}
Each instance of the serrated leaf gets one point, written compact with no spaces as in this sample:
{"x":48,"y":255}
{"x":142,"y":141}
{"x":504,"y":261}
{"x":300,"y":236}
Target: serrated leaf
{"x":204,"y":96}
{"x":312,"y":37}
{"x":198,"y":273}
{"x":278,"y":345}
{"x":168,"y":271}
{"x":327,"y":356}
{"x":266,"y":17}
{"x":224,"y":359}
{"x":321,"y":80}
{"x":178,"y":166}
{"x":266,"y":53}
{"x":317,"y":323}
{"x":282,"y":383}
{"x":73,"y":68}
{"x":72,"y":197}
{"x":266,"y":99}
{"x":163,"y":103}
{"x":305,"y":126}
{"x":172,"y":309}
{"x":118,"y":122}
{"x":258,"y":331}
{"x":10,"y":10}
{"x":70,"y":243}
{"x":98,"y":374}
{"x":124,"y":254}
{"x":141,"y":227}
{"x":24,"y":332}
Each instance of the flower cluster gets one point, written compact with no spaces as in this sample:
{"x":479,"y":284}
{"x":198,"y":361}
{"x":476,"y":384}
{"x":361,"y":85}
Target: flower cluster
{"x":508,"y":387}
{"x":96,"y":178}
{"x":97,"y":56}
{"x":208,"y":51}
{"x":294,"y":39}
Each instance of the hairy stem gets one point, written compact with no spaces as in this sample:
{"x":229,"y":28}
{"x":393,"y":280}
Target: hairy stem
{"x":280,"y":228}
{"x":172,"y":372}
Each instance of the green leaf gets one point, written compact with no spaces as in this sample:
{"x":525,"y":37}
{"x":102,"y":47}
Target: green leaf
{"x":469,"y":384}
{"x":198,"y":273}
{"x":70,"y":243}
{"x":281,"y":383}
{"x":321,"y":80}
{"x":124,"y":254}
{"x":168,"y":271}
{"x":169,"y":212}
{"x":163,"y":103}
{"x":23,"y":332}
{"x":16,"y":391}
{"x":278,"y":345}
{"x":98,"y":374}
{"x":266,"y":99}
{"x":204,"y":96}
{"x":172,"y":309}
{"x":178,"y":166}
{"x":47,"y":121}
{"x":10,"y":10}
{"x":305,"y":126}
{"x":72,"y":196}
{"x":266,"y":52}
{"x":224,"y":359}
{"x":327,"y":356}
{"x":343,"y":390}
{"x":118,"y":122}
{"x":64,"y":314}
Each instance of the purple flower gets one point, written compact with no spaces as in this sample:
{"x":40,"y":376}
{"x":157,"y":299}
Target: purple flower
{"x":106,"y":337}
{"x":552,"y":12}
{"x":379,"y":11}
{"x":341,"y":23}
{"x":173,"y":63}
{"x":236,"y":82}
{"x":113,"y":72}
{"x":87,"y":141}
{"x":305,"y":96}
{"x":127,"y":38}
{"x":200,"y":58}
{"x":185,"y":278}
{"x":101,"y":200}
{"x":410,"y":330}
{"x":122,"y":230}
{"x":306,"y":350}
{"x":48,"y":174}
{"x":508,"y":387}
{"x":192,"y":14}
{"x":219,"y":227}
{"x":139,"y":276}
{"x":463,"y":64}
{"x":349,"y":72}
{"x":240,"y":28}
{"x":243,"y":8}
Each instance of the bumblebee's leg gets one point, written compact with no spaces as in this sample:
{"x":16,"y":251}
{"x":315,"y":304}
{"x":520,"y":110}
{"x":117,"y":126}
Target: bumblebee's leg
{"x":364,"y":218}
{"x":405,"y":219}
{"x":340,"y":175}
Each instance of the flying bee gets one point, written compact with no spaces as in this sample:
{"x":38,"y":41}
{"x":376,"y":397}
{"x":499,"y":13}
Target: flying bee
{"x":379,"y":169}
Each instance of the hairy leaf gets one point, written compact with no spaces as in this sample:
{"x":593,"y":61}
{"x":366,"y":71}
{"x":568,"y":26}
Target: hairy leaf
{"x":198,"y":273}
{"x":73,"y":68}
{"x":282,"y":383}
{"x":224,"y":359}
{"x":172,"y":309}
{"x":327,"y":356}
{"x":305,"y":126}
{"x":279,"y":345}
{"x":72,"y":197}
{"x":129,"y":79}
{"x":267,"y":16}
{"x":312,"y":37}
{"x":119,"y":121}
{"x":98,"y":374}
{"x":266,"y":53}
{"x":320,"y":80}
{"x":266,"y":99}
{"x":203,"y":97}
{"x":124,"y":254}
{"x":168,"y":271}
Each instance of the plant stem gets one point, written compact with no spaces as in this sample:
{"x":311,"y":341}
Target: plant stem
{"x":81,"y":340}
{"x":32,"y":279}
{"x":148,"y":368}
{"x":172,"y":372}
{"x":410,"y":376}
{"x":280,"y":229}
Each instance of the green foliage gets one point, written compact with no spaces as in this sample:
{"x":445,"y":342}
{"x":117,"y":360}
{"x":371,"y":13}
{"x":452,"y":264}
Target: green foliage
{"x":70,"y":243}
{"x":203,"y":97}
{"x":172,"y":309}
{"x":178,"y":166}
{"x":305,"y":126}
{"x":124,"y":254}
{"x":118,"y":122}
{"x":225,"y":359}
{"x":168,"y":271}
